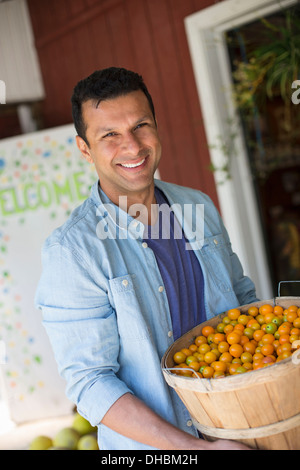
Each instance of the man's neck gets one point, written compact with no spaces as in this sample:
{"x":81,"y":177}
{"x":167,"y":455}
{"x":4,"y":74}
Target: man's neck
{"x":140,"y":205}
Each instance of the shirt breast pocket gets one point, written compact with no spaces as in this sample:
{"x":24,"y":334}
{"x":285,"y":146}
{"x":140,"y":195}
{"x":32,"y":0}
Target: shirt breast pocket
{"x":216,"y":257}
{"x":129,"y":308}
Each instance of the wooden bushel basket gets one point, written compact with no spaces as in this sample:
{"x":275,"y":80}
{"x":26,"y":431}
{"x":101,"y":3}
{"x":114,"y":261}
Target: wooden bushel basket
{"x":260,"y":408}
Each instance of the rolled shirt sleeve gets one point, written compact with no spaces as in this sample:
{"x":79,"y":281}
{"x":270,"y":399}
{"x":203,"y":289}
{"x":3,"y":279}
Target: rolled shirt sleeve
{"x":82,"y":328}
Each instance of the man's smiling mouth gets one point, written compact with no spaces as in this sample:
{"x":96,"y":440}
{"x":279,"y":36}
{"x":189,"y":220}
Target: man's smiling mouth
{"x":132,"y":165}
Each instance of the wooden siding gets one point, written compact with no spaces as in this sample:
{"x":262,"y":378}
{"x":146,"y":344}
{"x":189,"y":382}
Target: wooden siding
{"x":76,"y":37}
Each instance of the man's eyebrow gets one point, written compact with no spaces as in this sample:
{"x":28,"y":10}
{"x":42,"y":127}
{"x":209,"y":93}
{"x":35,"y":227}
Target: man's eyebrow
{"x":144,"y":118}
{"x":104,"y":130}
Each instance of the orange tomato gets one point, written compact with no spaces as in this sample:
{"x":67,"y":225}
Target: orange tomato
{"x":253,"y":311}
{"x":286,"y":347}
{"x":244,"y":339}
{"x":269,"y":317}
{"x":257,"y":356}
{"x":233,"y":338}
{"x":179,"y":357}
{"x":207,"y":330}
{"x":210,"y":338}
{"x":239,"y":328}
{"x":223,"y":346}
{"x":266,"y":308}
{"x":278,"y":310}
{"x":226,"y":357}
{"x":292,"y":308}
{"x":233,"y":368}
{"x":219,"y":366}
{"x":246,"y":357}
{"x":207,"y":372}
{"x":195,"y":365}
{"x":243,"y":319}
{"x":249,"y":347}
{"x":218,"y":338}
{"x":260,"y":319}
{"x":210,"y":357}
{"x":228,"y":329}
{"x":258,"y":334}
{"x":285,"y":338}
{"x":200,"y":340}
{"x":296,"y":322}
{"x":267,"y":349}
{"x":284,"y":328}
{"x":193,"y":348}
{"x":236,"y":350}
{"x":233,"y":313}
{"x":291,"y":316}
{"x":204,"y":348}
{"x":268,"y":338}
{"x":218,"y":374}
{"x":186,"y":351}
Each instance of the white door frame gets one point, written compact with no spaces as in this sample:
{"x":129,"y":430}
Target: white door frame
{"x":239,"y":208}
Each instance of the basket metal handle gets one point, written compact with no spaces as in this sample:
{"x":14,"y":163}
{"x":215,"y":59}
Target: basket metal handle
{"x":186,"y":368}
{"x":296,"y":354}
{"x":284,"y":282}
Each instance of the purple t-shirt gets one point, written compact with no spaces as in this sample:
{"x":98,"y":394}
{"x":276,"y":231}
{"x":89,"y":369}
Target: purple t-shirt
{"x":180,"y":270}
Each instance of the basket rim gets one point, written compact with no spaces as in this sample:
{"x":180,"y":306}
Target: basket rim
{"x":233,"y":381}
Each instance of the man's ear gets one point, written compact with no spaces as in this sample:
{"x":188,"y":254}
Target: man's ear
{"x":84,"y":149}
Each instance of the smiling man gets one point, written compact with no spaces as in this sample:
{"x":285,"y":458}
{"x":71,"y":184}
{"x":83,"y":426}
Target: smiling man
{"x":113,"y":304}
{"x":122,"y":141}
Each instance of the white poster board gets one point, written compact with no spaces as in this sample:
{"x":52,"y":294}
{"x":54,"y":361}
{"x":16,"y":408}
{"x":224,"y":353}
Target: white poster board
{"x":42,"y":179}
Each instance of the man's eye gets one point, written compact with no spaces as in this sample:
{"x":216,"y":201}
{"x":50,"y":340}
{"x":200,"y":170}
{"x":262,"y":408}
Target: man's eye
{"x":142,"y":124}
{"x":109,"y":134}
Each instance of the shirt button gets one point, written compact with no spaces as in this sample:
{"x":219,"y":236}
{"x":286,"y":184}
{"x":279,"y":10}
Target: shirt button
{"x":125,"y":282}
{"x":161,"y":289}
{"x":215,"y":241}
{"x":144,"y":245}
{"x":170,"y":333}
{"x":189,"y":423}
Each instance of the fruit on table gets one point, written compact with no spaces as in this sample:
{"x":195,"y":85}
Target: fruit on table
{"x":88,"y":442}
{"x":41,"y":443}
{"x":80,"y":436}
{"x":66,"y":438}
{"x":241,"y":342}
{"x":81,"y":425}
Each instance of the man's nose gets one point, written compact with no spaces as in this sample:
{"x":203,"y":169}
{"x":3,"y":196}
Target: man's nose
{"x":131,"y":143}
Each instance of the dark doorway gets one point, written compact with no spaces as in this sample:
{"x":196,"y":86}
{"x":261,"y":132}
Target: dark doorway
{"x":271,"y":123}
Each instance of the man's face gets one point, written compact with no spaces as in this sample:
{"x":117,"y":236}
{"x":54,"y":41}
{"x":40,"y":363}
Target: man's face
{"x":123,"y":144}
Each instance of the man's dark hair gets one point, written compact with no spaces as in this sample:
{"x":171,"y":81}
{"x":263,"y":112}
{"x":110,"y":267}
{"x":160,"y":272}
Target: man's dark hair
{"x":104,"y":85}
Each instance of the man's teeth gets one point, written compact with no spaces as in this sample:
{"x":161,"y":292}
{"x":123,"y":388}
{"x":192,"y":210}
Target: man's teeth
{"x":133,"y":165}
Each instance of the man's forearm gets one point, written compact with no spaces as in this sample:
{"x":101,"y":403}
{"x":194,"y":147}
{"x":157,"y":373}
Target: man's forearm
{"x":132,"y":418}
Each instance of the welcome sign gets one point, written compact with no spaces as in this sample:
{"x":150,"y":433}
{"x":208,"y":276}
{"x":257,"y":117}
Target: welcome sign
{"x":42,"y":179}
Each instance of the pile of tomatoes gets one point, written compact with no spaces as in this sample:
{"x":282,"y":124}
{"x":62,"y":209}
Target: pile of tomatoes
{"x":241,"y":342}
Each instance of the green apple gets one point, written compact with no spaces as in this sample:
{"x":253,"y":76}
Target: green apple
{"x":87,"y":442}
{"x":40,"y":443}
{"x":66,"y":438}
{"x":81,"y":425}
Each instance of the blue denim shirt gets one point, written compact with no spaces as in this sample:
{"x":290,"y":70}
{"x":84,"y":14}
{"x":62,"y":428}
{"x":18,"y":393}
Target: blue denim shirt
{"x":105,"y":308}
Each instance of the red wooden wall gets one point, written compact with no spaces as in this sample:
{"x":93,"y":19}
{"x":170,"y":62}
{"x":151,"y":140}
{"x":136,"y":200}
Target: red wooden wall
{"x":76,"y":37}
